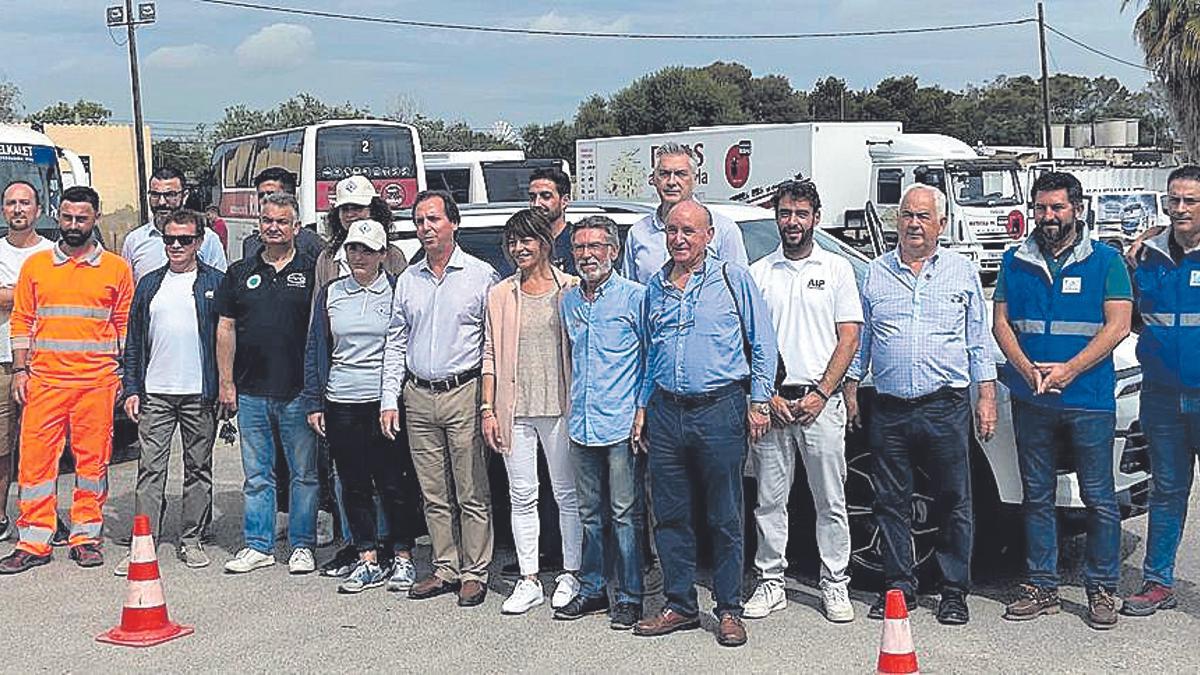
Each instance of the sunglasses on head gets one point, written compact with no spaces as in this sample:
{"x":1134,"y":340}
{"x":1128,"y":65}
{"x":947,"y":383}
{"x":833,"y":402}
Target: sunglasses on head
{"x":181,"y":239}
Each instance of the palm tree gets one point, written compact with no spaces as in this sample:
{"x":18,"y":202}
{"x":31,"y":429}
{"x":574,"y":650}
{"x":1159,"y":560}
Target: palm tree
{"x":1169,"y":32}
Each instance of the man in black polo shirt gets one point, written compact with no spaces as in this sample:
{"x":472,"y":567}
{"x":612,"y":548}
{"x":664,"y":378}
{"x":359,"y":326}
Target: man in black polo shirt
{"x":264,"y":305}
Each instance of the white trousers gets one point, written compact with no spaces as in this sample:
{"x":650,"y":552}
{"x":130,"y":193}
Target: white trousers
{"x":822,"y":448}
{"x":522,"y":468}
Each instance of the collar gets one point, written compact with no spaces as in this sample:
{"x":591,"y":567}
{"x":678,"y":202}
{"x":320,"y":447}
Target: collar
{"x":603,"y":287}
{"x":151,"y":230}
{"x":664,"y":273}
{"x":893,"y":259}
{"x":92,"y":258}
{"x":261,"y":261}
{"x":377,"y":287}
{"x":456,"y":260}
{"x":1030,"y":252}
{"x":1161,"y":243}
{"x":777,"y":257}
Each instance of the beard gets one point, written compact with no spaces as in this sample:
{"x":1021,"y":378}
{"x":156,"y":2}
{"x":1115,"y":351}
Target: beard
{"x":1050,"y":241}
{"x":806,"y":238}
{"x":75,"y":238}
{"x":601,"y":271}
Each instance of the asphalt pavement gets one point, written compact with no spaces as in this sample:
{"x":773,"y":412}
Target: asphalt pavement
{"x":268,"y":620}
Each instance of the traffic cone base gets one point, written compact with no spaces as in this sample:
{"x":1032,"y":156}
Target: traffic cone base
{"x":896,"y":653}
{"x":144,"y":620}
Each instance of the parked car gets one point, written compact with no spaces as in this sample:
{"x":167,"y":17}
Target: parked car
{"x":996,"y":477}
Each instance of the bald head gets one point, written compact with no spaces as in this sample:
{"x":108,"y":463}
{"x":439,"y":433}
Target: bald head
{"x":689,"y":232}
{"x":691,"y":212}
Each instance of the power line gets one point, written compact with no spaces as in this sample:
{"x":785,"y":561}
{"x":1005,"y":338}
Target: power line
{"x":611,"y":35}
{"x":1098,"y":52}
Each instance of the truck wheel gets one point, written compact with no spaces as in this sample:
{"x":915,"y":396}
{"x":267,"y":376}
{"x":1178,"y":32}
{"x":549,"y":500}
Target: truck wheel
{"x":866,"y":540}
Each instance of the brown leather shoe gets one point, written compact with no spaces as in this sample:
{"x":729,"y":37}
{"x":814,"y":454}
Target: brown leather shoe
{"x":430,"y":587}
{"x":472,"y":593}
{"x":731,"y":632}
{"x":667,"y":621}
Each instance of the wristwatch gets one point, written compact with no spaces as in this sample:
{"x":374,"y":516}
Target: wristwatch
{"x":761,"y":408}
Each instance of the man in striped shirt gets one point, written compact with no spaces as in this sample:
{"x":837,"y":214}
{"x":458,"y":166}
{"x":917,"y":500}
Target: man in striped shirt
{"x":925,"y":339}
{"x":69,"y":318}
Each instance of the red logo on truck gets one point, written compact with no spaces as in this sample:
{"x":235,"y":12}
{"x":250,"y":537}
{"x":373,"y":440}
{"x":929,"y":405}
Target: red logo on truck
{"x":1015,"y":224}
{"x":737,"y":164}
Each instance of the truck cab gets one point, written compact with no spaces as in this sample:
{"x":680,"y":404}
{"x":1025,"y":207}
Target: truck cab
{"x":985,"y":205}
{"x":30,"y":156}
{"x":484,"y":176}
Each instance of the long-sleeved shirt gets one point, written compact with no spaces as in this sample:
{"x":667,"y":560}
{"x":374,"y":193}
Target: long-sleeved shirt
{"x":695,"y":340}
{"x":145,"y":252}
{"x":607,"y":360}
{"x":436,"y":329}
{"x":924,"y":331}
{"x":646,"y":246}
{"x":72,"y":314}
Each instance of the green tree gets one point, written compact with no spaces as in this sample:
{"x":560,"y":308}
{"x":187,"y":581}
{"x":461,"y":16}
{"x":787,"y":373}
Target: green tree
{"x":190,"y":157}
{"x":10,"y":102}
{"x":594,"y":119}
{"x":1169,"y":32}
{"x":553,"y":141}
{"x":300,"y":110}
{"x":827,"y":100}
{"x":673,"y":99}
{"x":441,"y":136}
{"x":79,"y":112}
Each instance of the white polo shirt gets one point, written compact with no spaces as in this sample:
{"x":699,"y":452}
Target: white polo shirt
{"x":807,"y":299}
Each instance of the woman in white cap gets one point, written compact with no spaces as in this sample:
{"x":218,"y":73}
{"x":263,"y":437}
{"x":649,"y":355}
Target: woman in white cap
{"x":355,"y":199}
{"x":343,"y":368}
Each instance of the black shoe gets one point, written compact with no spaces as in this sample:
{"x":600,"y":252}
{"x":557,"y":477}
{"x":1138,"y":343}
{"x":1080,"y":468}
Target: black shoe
{"x":21,"y":561}
{"x":6,"y":528}
{"x":341,"y":564}
{"x":952,"y":610}
{"x":880,"y":607}
{"x":580,"y":606}
{"x":624,"y":616}
{"x":62,"y":534}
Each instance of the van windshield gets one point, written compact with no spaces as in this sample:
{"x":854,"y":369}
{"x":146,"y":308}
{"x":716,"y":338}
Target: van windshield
{"x":984,"y":187}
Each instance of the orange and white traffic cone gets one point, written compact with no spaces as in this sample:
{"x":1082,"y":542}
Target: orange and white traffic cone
{"x":144,"y":621}
{"x":896,"y":653}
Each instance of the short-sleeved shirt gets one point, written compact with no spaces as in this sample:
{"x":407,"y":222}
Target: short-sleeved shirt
{"x":272,"y":311}
{"x":1117,"y":285}
{"x":11,"y":260}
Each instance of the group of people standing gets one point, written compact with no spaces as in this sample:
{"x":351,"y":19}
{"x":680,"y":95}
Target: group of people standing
{"x":647,"y":389}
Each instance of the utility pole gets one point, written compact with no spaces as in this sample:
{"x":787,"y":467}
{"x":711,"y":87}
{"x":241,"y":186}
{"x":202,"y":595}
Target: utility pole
{"x":1045,"y":83}
{"x":117,"y":15}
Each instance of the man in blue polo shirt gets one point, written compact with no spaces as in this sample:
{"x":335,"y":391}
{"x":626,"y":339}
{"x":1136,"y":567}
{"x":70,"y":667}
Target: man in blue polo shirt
{"x":1167,"y":287}
{"x":1061,"y":306}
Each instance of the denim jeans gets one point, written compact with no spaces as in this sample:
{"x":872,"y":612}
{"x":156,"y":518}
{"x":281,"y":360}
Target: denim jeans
{"x":608,"y":484}
{"x":697,"y":452}
{"x":259,"y":419}
{"x":1088,"y":434}
{"x":932,"y":433}
{"x":1171,"y":420}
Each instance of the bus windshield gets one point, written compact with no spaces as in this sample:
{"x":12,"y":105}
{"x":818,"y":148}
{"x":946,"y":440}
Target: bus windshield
{"x":381,"y":153}
{"x":37,"y":165}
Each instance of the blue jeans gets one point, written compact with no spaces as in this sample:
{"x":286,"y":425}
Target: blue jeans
{"x":608,"y":485}
{"x":259,"y":419}
{"x":698,"y":451}
{"x":1171,"y":420}
{"x":1088,"y":435}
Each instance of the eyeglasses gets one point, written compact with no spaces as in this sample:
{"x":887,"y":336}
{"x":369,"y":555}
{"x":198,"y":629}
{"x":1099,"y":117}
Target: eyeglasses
{"x":592,"y":247}
{"x":923,"y":217}
{"x":1174,"y":201}
{"x":181,"y":239}
{"x":165,"y":196}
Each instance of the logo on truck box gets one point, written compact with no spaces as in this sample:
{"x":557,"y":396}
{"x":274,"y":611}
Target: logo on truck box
{"x":737,"y":164}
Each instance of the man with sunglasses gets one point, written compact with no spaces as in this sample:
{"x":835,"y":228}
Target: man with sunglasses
{"x":170,"y":379}
{"x":143,"y":247}
{"x":1167,"y":290}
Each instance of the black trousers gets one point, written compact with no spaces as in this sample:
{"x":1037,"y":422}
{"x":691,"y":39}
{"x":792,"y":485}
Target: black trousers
{"x":369,"y":463}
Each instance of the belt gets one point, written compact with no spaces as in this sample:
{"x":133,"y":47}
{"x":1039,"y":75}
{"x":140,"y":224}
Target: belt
{"x":795,"y":392}
{"x":446,"y":384}
{"x":707,"y":398}
{"x":936,"y":395}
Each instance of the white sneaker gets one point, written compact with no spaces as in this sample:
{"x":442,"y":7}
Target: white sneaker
{"x":404,"y":575}
{"x":526,"y":595}
{"x":248,"y":560}
{"x":768,"y":597}
{"x":565,"y":590}
{"x":835,"y":601}
{"x":301,"y":561}
{"x":324,"y":529}
{"x":122,"y":568}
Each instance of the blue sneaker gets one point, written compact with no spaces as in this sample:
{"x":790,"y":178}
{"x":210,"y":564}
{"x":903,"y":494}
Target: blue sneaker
{"x":365,"y":575}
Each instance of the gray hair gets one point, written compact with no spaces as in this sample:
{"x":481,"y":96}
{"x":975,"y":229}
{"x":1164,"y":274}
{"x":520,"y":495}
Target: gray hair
{"x":281,"y":199}
{"x":939,"y":197}
{"x":599,"y":223}
{"x":673,"y":148}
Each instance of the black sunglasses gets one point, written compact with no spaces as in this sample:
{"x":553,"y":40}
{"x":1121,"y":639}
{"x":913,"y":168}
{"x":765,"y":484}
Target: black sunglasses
{"x":181,"y":239}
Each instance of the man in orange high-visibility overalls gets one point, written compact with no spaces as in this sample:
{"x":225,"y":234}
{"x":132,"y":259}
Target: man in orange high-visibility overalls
{"x":70,"y":310}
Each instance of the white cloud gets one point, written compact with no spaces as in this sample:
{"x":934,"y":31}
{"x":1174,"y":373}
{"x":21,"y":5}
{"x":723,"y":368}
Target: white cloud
{"x":181,"y":57}
{"x":552,"y":20}
{"x":280,"y":45}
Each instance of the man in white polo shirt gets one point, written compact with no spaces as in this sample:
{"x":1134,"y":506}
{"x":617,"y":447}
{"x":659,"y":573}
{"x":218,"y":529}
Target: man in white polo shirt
{"x":143,"y":247}
{"x":814,"y":303}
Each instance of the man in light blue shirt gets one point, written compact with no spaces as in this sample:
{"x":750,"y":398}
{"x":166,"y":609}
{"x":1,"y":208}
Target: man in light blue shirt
{"x":674,"y":178}
{"x":925,"y":338}
{"x":710,"y":342}
{"x":603,"y":320}
{"x":143,"y":248}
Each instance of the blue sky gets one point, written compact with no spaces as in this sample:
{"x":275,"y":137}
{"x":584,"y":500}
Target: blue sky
{"x":199,"y":59}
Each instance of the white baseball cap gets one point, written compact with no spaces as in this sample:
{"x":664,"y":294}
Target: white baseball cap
{"x":354,"y":190}
{"x":369,"y":233}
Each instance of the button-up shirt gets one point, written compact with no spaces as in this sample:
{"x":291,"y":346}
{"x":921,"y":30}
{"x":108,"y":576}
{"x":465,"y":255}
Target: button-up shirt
{"x":924,"y":331}
{"x":436,"y":329}
{"x":646,"y":246}
{"x":695,"y":338}
{"x":606,"y":359}
{"x":144,"y":250}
